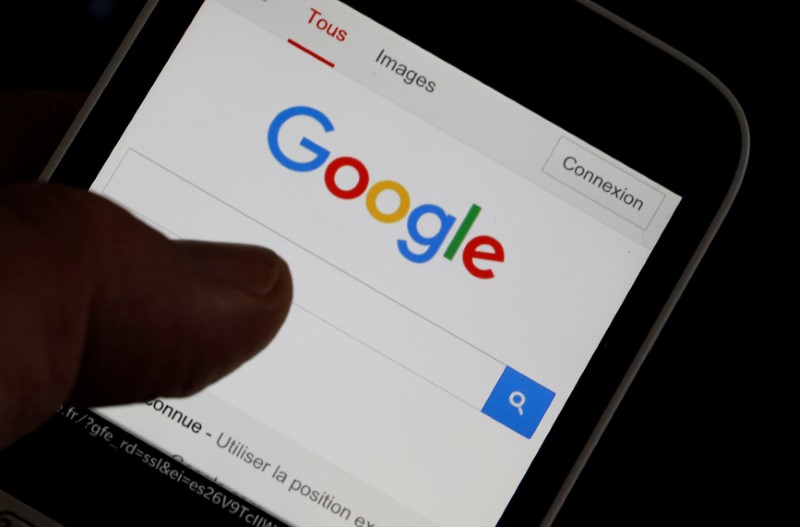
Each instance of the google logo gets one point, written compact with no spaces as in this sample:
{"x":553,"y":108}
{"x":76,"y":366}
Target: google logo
{"x":425,"y":246}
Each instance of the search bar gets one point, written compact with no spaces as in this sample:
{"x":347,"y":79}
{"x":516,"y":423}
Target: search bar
{"x":185,"y":210}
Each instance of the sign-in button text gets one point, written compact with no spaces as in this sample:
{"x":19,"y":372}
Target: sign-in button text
{"x":620,"y":192}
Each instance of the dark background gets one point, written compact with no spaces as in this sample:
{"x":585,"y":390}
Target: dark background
{"x":697,"y":438}
{"x":691,"y":442}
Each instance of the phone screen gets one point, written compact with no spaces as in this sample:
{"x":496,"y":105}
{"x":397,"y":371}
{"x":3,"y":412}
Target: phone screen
{"x":456,"y":260}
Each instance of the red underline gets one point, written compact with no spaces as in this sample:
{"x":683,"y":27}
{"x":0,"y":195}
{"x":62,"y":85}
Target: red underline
{"x":318,"y":57}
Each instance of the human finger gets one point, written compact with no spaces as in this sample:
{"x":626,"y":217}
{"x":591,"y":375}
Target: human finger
{"x":98,"y":308}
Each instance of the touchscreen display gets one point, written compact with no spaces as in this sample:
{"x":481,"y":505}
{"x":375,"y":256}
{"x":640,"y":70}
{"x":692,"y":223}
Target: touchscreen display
{"x":456,"y":261}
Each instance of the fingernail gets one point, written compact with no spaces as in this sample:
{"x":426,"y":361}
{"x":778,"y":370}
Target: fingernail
{"x":245,"y":267}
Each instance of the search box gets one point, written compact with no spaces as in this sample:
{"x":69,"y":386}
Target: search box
{"x":185,"y":210}
{"x":597,"y":179}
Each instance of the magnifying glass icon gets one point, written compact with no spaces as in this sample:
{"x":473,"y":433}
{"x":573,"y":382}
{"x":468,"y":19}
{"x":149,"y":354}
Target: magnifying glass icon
{"x":517,"y":400}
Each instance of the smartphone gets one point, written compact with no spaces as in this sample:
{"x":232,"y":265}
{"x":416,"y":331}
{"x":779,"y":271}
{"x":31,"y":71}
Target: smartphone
{"x":488,"y":214}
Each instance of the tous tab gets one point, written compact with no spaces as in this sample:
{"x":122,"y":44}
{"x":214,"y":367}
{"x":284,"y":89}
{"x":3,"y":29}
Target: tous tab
{"x":323,"y":24}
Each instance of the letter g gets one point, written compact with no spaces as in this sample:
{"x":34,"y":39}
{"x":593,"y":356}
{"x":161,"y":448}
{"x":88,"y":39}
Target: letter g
{"x":320,"y":154}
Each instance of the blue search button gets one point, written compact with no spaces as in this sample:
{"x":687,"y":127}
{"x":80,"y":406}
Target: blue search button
{"x":518,"y":402}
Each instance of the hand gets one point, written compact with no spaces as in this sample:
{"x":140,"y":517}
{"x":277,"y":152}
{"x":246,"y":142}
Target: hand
{"x":97,"y":308}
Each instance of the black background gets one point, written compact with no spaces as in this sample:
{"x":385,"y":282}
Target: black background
{"x":696,"y":438}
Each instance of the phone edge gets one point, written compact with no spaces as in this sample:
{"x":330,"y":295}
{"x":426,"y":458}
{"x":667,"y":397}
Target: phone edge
{"x":98,"y":90}
{"x":676,"y":292}
{"x":697,"y":256}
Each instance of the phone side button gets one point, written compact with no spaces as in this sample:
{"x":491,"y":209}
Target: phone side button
{"x":14,"y":513}
{"x":9,"y":519}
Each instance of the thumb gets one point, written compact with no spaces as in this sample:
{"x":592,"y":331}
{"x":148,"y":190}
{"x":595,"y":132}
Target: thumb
{"x":100,"y":309}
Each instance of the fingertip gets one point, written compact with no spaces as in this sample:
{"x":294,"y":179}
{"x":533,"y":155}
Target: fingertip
{"x":191,"y":315}
{"x":243,"y":310}
{"x":251,"y":268}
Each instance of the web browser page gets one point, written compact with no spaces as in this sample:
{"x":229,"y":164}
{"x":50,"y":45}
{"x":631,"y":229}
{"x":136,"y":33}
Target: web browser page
{"x":456,"y":261}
